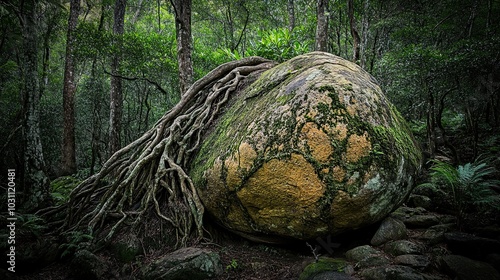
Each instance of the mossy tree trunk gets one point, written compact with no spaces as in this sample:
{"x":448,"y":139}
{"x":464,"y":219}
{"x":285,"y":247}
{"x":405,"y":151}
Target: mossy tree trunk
{"x":35,"y":183}
{"x":68,"y":162}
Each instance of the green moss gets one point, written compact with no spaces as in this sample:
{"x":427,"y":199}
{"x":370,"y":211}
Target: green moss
{"x":322,"y":265}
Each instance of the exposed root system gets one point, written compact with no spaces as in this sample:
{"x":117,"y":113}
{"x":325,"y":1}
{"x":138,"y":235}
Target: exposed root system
{"x":149,"y":176}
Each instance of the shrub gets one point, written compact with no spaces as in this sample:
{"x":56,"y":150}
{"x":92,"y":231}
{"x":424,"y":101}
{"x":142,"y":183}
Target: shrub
{"x":468,"y":185}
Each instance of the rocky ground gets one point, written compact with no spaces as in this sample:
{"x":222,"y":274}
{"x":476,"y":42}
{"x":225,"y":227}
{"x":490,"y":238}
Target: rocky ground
{"x":415,"y":242}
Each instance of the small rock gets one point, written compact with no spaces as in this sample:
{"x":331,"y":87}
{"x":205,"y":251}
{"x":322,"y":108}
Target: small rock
{"x":444,"y":227}
{"x":372,"y":261}
{"x":423,"y":201}
{"x":321,"y":266}
{"x":470,"y":245}
{"x":390,"y":229}
{"x":405,"y":212}
{"x":402,"y":247}
{"x":463,"y":268}
{"x":329,"y":275}
{"x":361,"y":252}
{"x":493,"y":259}
{"x":432,"y":236}
{"x":414,"y":261}
{"x":399,"y":272}
{"x":86,"y":265}
{"x":126,"y":248}
{"x":449,"y":219}
{"x":421,"y":221}
{"x":490,"y":231}
{"x":185,"y":264}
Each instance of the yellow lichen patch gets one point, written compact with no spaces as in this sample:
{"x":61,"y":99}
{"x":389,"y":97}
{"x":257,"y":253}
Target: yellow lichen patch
{"x":340,"y":131}
{"x":237,"y":163}
{"x":318,"y":142}
{"x":358,"y":146}
{"x":338,"y":173}
{"x":283,"y":188}
{"x":351,"y":108}
{"x":237,"y":220}
{"x":342,"y":209}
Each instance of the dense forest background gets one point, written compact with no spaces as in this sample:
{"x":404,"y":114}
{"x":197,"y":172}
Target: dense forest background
{"x":81,"y":78}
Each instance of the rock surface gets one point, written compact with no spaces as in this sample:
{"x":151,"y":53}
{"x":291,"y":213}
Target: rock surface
{"x":312,"y":148}
{"x":390,"y":229}
{"x":185,"y":264}
{"x":463,"y":268}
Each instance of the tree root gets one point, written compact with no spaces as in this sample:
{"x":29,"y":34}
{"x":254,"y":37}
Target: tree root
{"x":149,"y":175}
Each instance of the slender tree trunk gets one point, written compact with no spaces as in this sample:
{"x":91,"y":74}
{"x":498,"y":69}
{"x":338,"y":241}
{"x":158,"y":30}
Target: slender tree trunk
{"x":68,"y":162}
{"x":137,"y":12}
{"x":97,"y":154}
{"x":354,"y":32}
{"x":182,"y":10}
{"x":35,"y":182}
{"x":365,"y":29}
{"x":291,"y":15}
{"x":322,"y":26}
{"x":116,"y":94}
{"x":431,"y":121}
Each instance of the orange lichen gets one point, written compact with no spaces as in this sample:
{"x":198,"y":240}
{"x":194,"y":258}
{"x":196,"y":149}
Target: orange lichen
{"x":340,"y":131}
{"x":283,"y":186}
{"x":342,"y":209}
{"x":358,"y":146}
{"x":318,"y":142}
{"x":238,"y":163}
{"x":338,"y":173}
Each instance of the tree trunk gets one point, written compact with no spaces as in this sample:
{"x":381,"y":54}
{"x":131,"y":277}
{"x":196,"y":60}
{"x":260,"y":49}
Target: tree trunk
{"x":182,"y":10}
{"x":97,"y":154}
{"x":291,"y":15}
{"x":68,"y":162}
{"x":36,"y":184}
{"x":431,"y":121}
{"x":365,"y":30}
{"x":322,"y":26}
{"x":116,"y":95}
{"x":354,"y":32}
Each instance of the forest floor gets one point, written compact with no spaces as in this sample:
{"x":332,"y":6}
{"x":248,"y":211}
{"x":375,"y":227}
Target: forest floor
{"x":241,"y":259}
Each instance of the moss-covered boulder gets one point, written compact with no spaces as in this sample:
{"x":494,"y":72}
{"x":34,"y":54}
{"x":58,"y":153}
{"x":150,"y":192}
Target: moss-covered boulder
{"x":311,"y":148}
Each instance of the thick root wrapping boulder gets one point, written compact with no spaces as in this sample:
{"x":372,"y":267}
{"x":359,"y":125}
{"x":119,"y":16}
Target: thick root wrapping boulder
{"x":311,"y":148}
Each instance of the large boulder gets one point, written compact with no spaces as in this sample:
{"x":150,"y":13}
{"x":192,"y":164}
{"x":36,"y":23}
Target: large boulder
{"x":311,"y":148}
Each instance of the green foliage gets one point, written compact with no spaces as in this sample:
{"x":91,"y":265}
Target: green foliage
{"x":275,"y":44}
{"x":75,"y":241}
{"x":233,"y":265}
{"x":468,"y":185}
{"x":61,"y":188}
{"x":30,"y":224}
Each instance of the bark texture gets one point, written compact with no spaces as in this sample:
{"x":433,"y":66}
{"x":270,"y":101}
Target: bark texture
{"x":182,"y":10}
{"x":116,"y":94}
{"x":322,"y":26}
{"x":35,"y":183}
{"x":354,"y":31}
{"x":68,"y":162}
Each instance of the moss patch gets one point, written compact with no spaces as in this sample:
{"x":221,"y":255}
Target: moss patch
{"x":322,"y":265}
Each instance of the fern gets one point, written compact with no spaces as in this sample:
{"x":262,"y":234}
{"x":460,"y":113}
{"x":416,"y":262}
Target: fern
{"x":31,"y":224}
{"x":468,"y":184}
{"x":76,"y":240}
